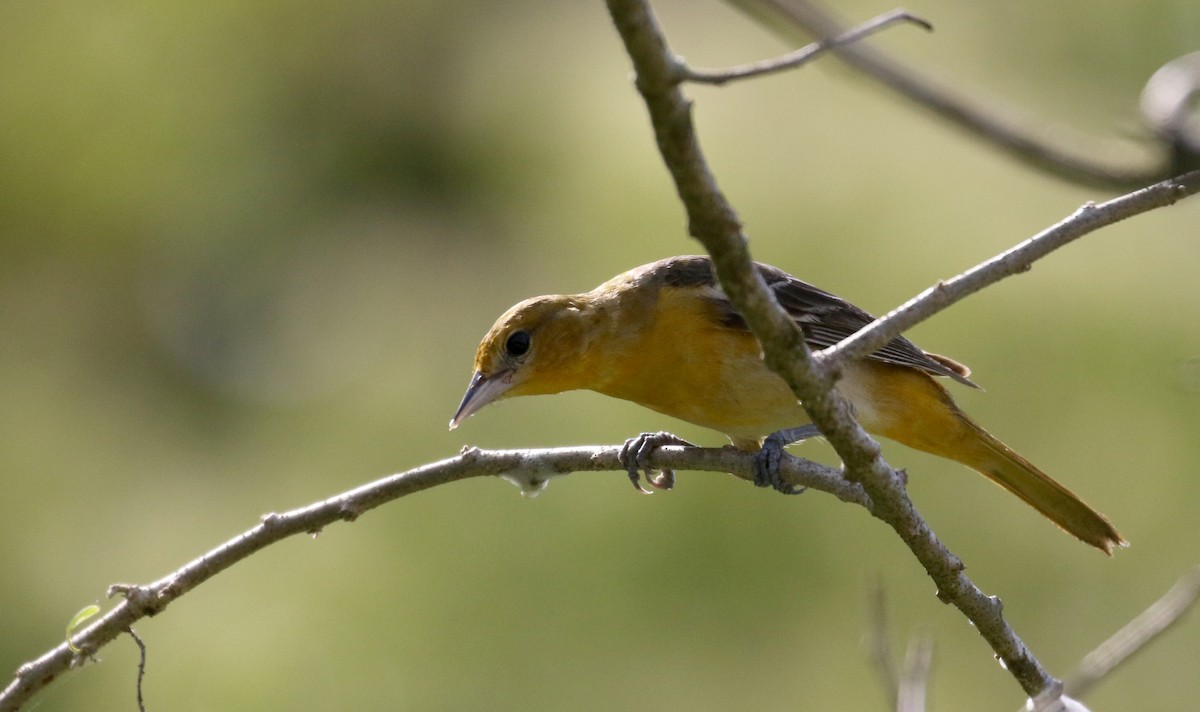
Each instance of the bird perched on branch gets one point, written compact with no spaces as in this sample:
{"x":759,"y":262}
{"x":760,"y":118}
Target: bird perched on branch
{"x":665,"y":336}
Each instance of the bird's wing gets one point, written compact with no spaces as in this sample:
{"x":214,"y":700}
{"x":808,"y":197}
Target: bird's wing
{"x":824,"y":318}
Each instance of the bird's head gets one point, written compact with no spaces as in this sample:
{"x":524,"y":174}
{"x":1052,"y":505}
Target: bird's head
{"x":535,"y":347}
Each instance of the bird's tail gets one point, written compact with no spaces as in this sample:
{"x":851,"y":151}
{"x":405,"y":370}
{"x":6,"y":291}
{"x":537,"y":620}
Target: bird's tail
{"x":1002,"y":465}
{"x":910,"y":407}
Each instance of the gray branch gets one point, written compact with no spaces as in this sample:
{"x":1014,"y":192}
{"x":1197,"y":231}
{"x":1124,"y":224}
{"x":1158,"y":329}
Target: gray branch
{"x":530,"y":469}
{"x":1136,"y":635}
{"x":804,"y":55}
{"x":1066,"y":154}
{"x":714,"y":222}
{"x":1086,"y":219}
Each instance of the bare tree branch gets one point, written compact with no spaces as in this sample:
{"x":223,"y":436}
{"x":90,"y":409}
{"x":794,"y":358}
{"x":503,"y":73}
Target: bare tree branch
{"x":1086,"y":219}
{"x":1135,"y":635}
{"x":714,"y":222}
{"x":530,"y":469}
{"x":906,"y":690}
{"x":802,"y":56}
{"x":1067,"y":155}
{"x":141,"y":675}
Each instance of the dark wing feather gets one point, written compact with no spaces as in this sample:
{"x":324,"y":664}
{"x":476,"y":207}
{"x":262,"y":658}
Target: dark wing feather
{"x":825,"y":318}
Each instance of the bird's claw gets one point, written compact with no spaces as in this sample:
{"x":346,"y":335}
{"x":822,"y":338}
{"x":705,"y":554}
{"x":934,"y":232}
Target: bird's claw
{"x":769,"y":457}
{"x":635,"y":456}
{"x":766,"y":468}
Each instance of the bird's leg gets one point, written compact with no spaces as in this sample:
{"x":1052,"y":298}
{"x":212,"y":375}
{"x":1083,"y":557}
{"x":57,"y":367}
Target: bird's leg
{"x":635,"y":456}
{"x":766,"y":461}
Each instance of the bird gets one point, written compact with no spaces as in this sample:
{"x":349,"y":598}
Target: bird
{"x":665,"y":336}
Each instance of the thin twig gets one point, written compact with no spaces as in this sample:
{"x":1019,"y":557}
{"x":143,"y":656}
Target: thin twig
{"x":531,"y":469}
{"x":714,"y":222}
{"x":1067,"y":155}
{"x":1135,"y":635}
{"x":1086,"y":219}
{"x":804,"y":55}
{"x":141,"y":676}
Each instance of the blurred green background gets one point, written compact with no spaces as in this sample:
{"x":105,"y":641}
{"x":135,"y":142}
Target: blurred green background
{"x":247,"y":250}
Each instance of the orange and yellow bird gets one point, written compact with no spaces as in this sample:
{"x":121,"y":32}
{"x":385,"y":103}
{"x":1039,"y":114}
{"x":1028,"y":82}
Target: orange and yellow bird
{"x":665,"y":336}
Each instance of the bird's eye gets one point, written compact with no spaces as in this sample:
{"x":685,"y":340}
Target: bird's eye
{"x":517,"y":343}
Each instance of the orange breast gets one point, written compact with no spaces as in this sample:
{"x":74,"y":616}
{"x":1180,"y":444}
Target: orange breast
{"x":688,"y":366}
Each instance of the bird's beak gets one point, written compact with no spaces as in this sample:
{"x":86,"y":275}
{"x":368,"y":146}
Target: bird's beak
{"x":482,"y":390}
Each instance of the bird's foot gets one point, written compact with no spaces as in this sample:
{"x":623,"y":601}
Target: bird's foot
{"x":768,"y":458}
{"x":635,"y":456}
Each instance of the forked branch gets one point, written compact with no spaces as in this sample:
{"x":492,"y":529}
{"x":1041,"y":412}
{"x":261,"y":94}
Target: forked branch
{"x":1169,"y":109}
{"x":714,"y":222}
